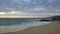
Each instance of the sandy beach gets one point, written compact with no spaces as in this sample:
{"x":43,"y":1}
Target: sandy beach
{"x":53,"y":28}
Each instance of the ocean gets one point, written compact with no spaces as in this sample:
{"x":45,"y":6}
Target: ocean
{"x":18,"y":24}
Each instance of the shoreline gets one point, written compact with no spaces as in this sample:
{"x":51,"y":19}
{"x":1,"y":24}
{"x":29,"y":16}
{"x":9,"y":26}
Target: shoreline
{"x":53,"y":28}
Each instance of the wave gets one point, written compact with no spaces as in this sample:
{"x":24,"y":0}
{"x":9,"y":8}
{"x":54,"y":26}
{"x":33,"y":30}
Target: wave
{"x":24,"y":24}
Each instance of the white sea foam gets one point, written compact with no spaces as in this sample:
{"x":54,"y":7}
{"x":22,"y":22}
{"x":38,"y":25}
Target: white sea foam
{"x":15,"y":28}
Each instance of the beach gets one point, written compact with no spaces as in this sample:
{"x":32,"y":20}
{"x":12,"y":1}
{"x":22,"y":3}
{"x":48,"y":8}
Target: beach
{"x":29,"y":16}
{"x":52,"y":28}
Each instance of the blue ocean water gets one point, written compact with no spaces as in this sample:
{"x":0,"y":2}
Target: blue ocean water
{"x":14,"y":21}
{"x":17,"y":21}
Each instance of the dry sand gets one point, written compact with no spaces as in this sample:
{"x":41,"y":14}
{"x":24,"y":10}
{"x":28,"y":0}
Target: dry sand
{"x":53,"y":28}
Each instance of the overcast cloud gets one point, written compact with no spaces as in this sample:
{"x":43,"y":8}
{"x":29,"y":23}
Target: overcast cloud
{"x":29,"y":7}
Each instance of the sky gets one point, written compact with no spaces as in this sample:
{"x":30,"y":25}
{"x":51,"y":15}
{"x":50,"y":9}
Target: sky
{"x":29,"y":7}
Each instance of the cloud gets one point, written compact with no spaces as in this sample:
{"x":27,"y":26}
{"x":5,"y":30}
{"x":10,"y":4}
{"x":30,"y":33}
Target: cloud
{"x":40,"y":11}
{"x":20,"y":13}
{"x":39,"y":8}
{"x":29,"y":7}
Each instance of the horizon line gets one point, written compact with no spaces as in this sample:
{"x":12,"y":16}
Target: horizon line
{"x":23,"y":16}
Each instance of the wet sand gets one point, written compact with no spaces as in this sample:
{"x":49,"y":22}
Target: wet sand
{"x":53,"y":28}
